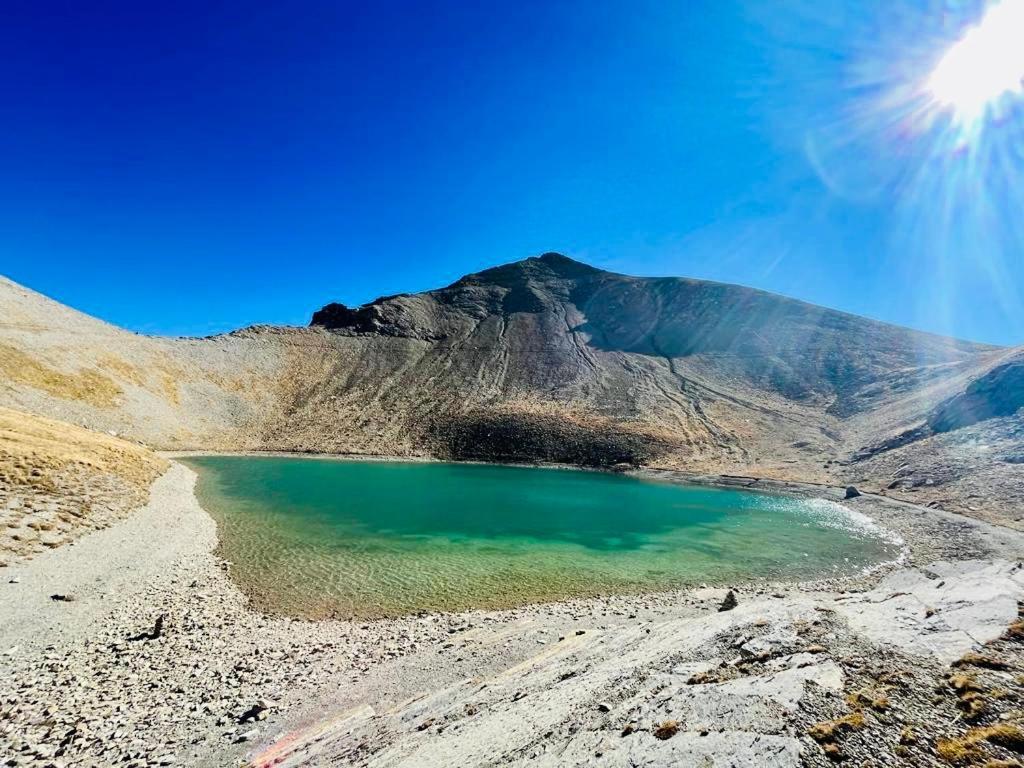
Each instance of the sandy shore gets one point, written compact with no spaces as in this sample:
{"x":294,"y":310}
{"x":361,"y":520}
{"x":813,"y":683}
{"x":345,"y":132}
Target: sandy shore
{"x":99,"y":679}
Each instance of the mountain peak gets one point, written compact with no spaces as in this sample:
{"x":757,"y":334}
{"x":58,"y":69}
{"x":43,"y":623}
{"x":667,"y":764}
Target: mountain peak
{"x":546,"y":265}
{"x":562,"y":265}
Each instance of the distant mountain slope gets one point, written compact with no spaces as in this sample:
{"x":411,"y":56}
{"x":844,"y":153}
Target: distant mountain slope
{"x":992,"y":394}
{"x":541,"y":359}
{"x":61,"y":363}
{"x":781,"y":346}
{"x":966,"y":453}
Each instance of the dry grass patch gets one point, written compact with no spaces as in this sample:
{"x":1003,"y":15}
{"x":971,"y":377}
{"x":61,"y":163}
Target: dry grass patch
{"x":876,"y":700}
{"x":31,"y":447}
{"x":1016,"y":630}
{"x":159,"y":378}
{"x":666,"y":730}
{"x":716,"y":675}
{"x":58,"y":480}
{"x":169,"y":378}
{"x":969,"y":693}
{"x":972,"y":659}
{"x":968,"y":749}
{"x":963,"y":682}
{"x":87,"y":386}
{"x":123,"y":369}
{"x":830,"y":730}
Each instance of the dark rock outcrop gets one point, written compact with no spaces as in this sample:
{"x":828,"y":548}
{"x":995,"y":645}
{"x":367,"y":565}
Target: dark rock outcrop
{"x":361,"y":319}
{"x":1000,"y":392}
{"x":995,"y":393}
{"x":729,"y":602}
{"x":509,"y":436}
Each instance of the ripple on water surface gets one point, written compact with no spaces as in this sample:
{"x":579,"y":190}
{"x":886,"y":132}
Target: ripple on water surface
{"x":315,"y":537}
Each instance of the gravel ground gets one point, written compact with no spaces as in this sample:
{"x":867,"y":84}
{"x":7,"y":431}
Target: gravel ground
{"x":132,"y":645}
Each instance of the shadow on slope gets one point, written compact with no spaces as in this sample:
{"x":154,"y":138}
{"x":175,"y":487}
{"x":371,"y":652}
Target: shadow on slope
{"x":996,"y":393}
{"x":514,"y":435}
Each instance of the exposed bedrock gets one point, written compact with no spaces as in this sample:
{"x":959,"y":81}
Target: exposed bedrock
{"x":335,"y":315}
{"x":1000,"y":392}
{"x":994,"y":394}
{"x":742,"y":688}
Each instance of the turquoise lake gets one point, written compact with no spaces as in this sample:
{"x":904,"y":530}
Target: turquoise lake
{"x":320,"y":537}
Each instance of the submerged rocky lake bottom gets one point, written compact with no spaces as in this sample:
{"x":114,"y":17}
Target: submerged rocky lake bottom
{"x":369,"y":539}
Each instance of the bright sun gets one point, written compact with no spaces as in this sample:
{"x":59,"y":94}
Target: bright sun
{"x":986,"y":63}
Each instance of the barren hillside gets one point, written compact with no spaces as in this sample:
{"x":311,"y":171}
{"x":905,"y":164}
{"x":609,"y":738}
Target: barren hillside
{"x":541,"y":359}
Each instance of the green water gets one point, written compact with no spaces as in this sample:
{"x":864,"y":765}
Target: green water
{"x":316,"y":537}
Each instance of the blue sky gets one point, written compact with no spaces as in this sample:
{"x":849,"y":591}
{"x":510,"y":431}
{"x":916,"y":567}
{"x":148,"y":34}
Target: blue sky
{"x":193,"y":167}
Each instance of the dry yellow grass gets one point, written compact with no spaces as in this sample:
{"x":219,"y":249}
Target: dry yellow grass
{"x":666,"y":730}
{"x":1016,"y":630}
{"x":865,"y":697}
{"x":58,"y":481}
{"x":123,"y":369}
{"x":958,"y":751}
{"x":29,"y":442}
{"x":967,"y":749}
{"x":972,"y":659}
{"x":89,"y":386}
{"x":963,"y":682}
{"x":970,"y":695}
{"x":169,"y":378}
{"x":831,"y":729}
{"x":162,"y":381}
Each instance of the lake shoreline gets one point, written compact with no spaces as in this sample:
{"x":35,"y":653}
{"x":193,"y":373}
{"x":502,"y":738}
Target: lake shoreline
{"x":186,"y":693}
{"x":917,"y":526}
{"x":754,"y":483}
{"x":682,"y":535}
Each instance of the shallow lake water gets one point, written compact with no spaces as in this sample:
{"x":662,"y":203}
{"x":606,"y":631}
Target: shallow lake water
{"x":316,"y":537}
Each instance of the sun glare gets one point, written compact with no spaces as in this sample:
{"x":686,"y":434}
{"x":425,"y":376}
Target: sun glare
{"x":984,"y":65}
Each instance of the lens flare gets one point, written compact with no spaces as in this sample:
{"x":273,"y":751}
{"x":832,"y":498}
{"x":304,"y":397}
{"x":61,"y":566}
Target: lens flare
{"x":912,"y":115}
{"x":985,"y":65}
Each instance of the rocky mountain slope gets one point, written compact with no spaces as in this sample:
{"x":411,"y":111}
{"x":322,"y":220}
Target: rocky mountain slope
{"x":966,"y":453}
{"x":137,"y":629}
{"x":542,"y":359}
